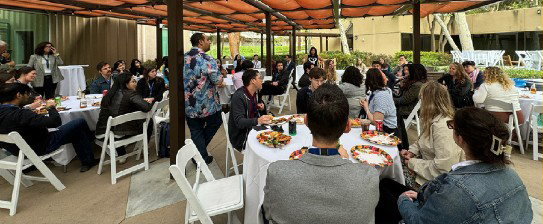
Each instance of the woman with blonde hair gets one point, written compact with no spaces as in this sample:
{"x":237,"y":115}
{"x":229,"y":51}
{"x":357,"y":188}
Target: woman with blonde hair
{"x":459,"y":85}
{"x":330,"y":68}
{"x":497,"y":93}
{"x":432,"y":154}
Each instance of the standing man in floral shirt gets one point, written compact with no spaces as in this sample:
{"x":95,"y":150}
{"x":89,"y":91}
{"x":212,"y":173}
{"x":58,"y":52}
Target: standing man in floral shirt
{"x":202,"y":105}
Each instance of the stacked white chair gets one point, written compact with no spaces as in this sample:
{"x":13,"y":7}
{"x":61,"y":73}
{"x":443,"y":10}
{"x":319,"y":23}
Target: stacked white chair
{"x":535,"y":129}
{"x":210,"y":198}
{"x":283,"y":97}
{"x":229,"y":148}
{"x":17,"y":164}
{"x":110,"y":143}
{"x":160,"y":115}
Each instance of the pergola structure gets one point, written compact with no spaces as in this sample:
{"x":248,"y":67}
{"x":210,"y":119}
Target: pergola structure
{"x":270,"y":17}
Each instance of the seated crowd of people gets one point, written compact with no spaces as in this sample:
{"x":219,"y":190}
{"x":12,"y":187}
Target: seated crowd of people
{"x":456,"y":171}
{"x":461,"y":152}
{"x":21,"y":99}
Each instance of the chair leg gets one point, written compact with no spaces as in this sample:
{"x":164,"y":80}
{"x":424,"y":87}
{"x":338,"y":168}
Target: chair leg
{"x":146,"y":152}
{"x":234,"y":161}
{"x":528,"y":129}
{"x":138,"y":149}
{"x":113,"y":159}
{"x":49,"y":175}
{"x":16,"y":187}
{"x":289,"y":104}
{"x":103,"y":156}
{"x":519,"y":140}
{"x":510,"y":126}
{"x":227,"y":171}
{"x":535,"y":140}
{"x":157,"y":137}
{"x":229,"y":217}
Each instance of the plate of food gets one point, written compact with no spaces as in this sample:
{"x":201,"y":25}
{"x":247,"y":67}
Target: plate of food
{"x":299,"y":118}
{"x":380,"y":138}
{"x":371,"y":155}
{"x":64,"y":98}
{"x":298,"y":153}
{"x":96,"y":104}
{"x":356,"y":122}
{"x":278,"y":120}
{"x":273,"y":139}
{"x":62,"y":108}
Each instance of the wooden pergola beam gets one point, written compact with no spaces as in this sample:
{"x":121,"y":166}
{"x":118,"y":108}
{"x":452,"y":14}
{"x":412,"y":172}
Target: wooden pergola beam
{"x":176,"y":63}
{"x":309,"y":34}
{"x":206,"y":13}
{"x":264,"y":8}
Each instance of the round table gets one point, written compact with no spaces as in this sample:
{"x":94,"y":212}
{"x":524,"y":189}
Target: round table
{"x":257,"y":158}
{"x":526,"y":104}
{"x":225,"y":92}
{"x":74,"y":79}
{"x":90,"y":114}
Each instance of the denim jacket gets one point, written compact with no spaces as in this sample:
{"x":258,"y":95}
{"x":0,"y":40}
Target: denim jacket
{"x":479,"y":193}
{"x":200,"y":77}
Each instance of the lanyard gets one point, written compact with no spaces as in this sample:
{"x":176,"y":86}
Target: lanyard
{"x":324,"y":151}
{"x":46,"y":60}
{"x":151,"y":86}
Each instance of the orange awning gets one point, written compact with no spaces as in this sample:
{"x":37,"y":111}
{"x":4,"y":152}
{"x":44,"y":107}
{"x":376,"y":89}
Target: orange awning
{"x":239,"y":14}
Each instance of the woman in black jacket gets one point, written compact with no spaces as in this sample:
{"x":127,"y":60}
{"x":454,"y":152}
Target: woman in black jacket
{"x":122,"y":99}
{"x":459,"y":86}
{"x":151,"y":87}
{"x":136,"y":68}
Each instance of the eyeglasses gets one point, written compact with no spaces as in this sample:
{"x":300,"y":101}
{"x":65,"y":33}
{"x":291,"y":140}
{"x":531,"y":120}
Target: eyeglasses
{"x":450,"y":124}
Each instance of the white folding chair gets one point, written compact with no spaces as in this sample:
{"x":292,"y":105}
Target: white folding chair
{"x":512,"y":124}
{"x":414,"y":114}
{"x":535,"y":129}
{"x":523,"y":58}
{"x":19,"y":163}
{"x":209,"y":198}
{"x":229,"y":148}
{"x":166,"y":95}
{"x":110,"y":144}
{"x":160,"y":115}
{"x":283,"y":97}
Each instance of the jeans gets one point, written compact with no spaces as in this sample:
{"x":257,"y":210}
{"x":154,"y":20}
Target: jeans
{"x":387,"y":208}
{"x":76,"y":132}
{"x":202,"y":131}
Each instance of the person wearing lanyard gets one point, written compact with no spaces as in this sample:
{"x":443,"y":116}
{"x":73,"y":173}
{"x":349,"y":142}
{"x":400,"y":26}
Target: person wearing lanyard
{"x":245,"y":111}
{"x":323,"y":183}
{"x":151,"y":87}
{"x":46,"y":60}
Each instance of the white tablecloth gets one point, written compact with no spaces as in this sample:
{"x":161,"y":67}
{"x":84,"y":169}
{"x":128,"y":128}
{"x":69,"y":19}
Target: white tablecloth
{"x":74,"y":78}
{"x":225,"y":93}
{"x":262,"y":71}
{"x":258,"y":157}
{"x":525,"y":105}
{"x":90,"y":114}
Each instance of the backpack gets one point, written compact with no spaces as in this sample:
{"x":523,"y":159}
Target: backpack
{"x":164,"y":141}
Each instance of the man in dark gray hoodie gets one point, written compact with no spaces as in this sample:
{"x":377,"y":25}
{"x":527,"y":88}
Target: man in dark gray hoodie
{"x":246,"y":111}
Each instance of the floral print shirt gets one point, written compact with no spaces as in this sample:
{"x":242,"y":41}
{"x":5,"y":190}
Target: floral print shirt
{"x":200,"y":77}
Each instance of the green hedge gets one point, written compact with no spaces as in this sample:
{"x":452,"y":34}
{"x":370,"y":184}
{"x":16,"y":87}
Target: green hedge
{"x":343,"y":60}
{"x":427,"y":58}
